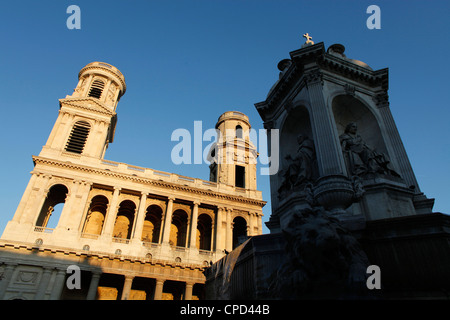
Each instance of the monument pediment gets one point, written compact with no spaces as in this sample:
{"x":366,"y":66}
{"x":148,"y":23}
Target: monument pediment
{"x":89,"y":104}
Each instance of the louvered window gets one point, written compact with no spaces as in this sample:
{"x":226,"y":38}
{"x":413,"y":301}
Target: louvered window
{"x":96,"y":89}
{"x":78,"y":137}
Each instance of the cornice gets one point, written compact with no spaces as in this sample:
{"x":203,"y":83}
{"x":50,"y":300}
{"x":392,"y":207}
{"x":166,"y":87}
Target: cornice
{"x":19,"y":245}
{"x":148,"y":181}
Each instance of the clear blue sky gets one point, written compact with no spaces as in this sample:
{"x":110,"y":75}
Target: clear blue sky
{"x":193,"y":60}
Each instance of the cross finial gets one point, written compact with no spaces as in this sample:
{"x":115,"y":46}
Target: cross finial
{"x":308,"y":38}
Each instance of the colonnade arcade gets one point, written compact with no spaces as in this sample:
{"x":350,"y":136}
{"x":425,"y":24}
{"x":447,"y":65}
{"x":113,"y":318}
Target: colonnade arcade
{"x":126,"y":216}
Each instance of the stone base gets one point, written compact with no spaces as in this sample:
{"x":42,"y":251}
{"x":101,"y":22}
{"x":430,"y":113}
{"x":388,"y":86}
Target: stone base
{"x":413,"y":254}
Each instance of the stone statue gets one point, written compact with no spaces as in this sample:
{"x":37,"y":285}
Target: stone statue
{"x":299,"y":171}
{"x":323,"y":260}
{"x":361,"y":158}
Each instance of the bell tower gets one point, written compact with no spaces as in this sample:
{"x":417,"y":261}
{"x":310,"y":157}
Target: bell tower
{"x":87,"y":118}
{"x":233,"y":157}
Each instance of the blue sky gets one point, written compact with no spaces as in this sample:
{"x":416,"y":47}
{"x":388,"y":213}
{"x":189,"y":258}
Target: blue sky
{"x":192,"y":60}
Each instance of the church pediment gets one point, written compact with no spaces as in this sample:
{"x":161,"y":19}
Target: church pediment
{"x":90,"y":104}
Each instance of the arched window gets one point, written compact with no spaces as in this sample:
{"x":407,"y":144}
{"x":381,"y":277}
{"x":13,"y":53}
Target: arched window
{"x":239,"y":231}
{"x":204,"y":230}
{"x":78,"y":137}
{"x":56,"y":195}
{"x":152,"y":224}
{"x":239,"y":133}
{"x":178,"y":229}
{"x":124,"y":220}
{"x":96,"y":215}
{"x":96,"y":89}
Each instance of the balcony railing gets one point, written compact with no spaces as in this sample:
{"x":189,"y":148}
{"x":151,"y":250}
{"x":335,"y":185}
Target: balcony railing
{"x":121,"y":240}
{"x":43,"y":229}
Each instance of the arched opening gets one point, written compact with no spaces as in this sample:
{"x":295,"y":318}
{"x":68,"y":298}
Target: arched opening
{"x":124,"y":220}
{"x":362,"y":143}
{"x":178,"y":228}
{"x":239,"y":133}
{"x":78,"y":137}
{"x":152,"y":224}
{"x":96,"y":215}
{"x":204,"y":230}
{"x":298,"y":164}
{"x":96,"y":89}
{"x":239,"y":231}
{"x":56,"y":195}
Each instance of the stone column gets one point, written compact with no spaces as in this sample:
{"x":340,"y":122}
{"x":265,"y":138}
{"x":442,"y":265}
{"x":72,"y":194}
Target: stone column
{"x":167,"y":221}
{"x":188,"y":291}
{"x":92,"y":292}
{"x":194,"y":221}
{"x":127,"y":287}
{"x":79,"y":214}
{"x":218,"y":229}
{"x":7,"y":277}
{"x":68,"y":205}
{"x":159,"y":289}
{"x":140,"y":218}
{"x":26,"y":195}
{"x":34,"y":206}
{"x":58,"y":285}
{"x":251,"y":228}
{"x":111,"y":214}
{"x":43,"y":284}
{"x":229,"y":231}
{"x":329,"y":154}
{"x":399,"y":156}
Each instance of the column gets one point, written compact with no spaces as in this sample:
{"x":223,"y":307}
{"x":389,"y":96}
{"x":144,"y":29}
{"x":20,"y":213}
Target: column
{"x":59,"y":284}
{"x":34,"y":207}
{"x":194,"y":222}
{"x":140,"y":218}
{"x":188,"y":291}
{"x":7,"y":277}
{"x":159,"y":289}
{"x":218,"y":229}
{"x":43,"y":284}
{"x":68,"y":205}
{"x":328,"y":152}
{"x":26,"y":195}
{"x":250,"y":228}
{"x":400,"y":155}
{"x":81,"y":208}
{"x":111,"y":215}
{"x":229,"y":231}
{"x":167,"y":221}
{"x":92,"y":292}
{"x":127,"y":287}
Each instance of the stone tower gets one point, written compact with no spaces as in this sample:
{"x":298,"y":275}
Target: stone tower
{"x":233,"y":157}
{"x":87,"y":118}
{"x":339,"y":145}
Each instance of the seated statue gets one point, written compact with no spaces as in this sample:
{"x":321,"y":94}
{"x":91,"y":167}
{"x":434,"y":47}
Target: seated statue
{"x":361,"y":158}
{"x":299,"y":171}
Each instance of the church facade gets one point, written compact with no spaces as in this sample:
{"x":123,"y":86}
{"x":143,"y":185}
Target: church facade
{"x":131,"y":232}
